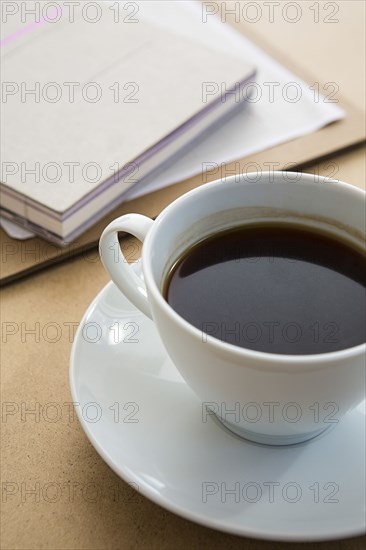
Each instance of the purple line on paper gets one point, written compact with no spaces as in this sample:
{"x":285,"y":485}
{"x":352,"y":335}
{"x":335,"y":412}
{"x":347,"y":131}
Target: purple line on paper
{"x":25,"y":30}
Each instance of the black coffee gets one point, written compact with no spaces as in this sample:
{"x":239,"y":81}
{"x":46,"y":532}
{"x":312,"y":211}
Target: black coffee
{"x":274,"y":288}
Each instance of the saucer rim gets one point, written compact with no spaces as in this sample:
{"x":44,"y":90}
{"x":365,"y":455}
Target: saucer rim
{"x":161,"y":500}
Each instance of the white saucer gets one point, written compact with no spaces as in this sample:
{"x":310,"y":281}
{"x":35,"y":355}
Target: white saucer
{"x":146,"y":423}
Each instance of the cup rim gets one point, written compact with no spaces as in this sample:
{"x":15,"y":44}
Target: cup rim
{"x":215,"y":343}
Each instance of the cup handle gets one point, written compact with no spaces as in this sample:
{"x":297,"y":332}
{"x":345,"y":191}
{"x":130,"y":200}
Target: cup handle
{"x":124,"y":277}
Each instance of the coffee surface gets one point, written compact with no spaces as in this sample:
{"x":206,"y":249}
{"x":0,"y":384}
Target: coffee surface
{"x":273,"y":288}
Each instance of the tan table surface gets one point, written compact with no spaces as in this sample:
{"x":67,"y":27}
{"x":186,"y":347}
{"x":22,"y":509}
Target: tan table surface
{"x":35,"y":371}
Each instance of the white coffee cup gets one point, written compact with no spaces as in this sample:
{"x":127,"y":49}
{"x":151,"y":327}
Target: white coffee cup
{"x":267,"y":398}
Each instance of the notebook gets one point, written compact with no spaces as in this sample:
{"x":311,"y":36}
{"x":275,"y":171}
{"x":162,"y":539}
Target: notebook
{"x":89,"y":110}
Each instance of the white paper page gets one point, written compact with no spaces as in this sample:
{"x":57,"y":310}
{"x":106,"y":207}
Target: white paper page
{"x":258,"y":125}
